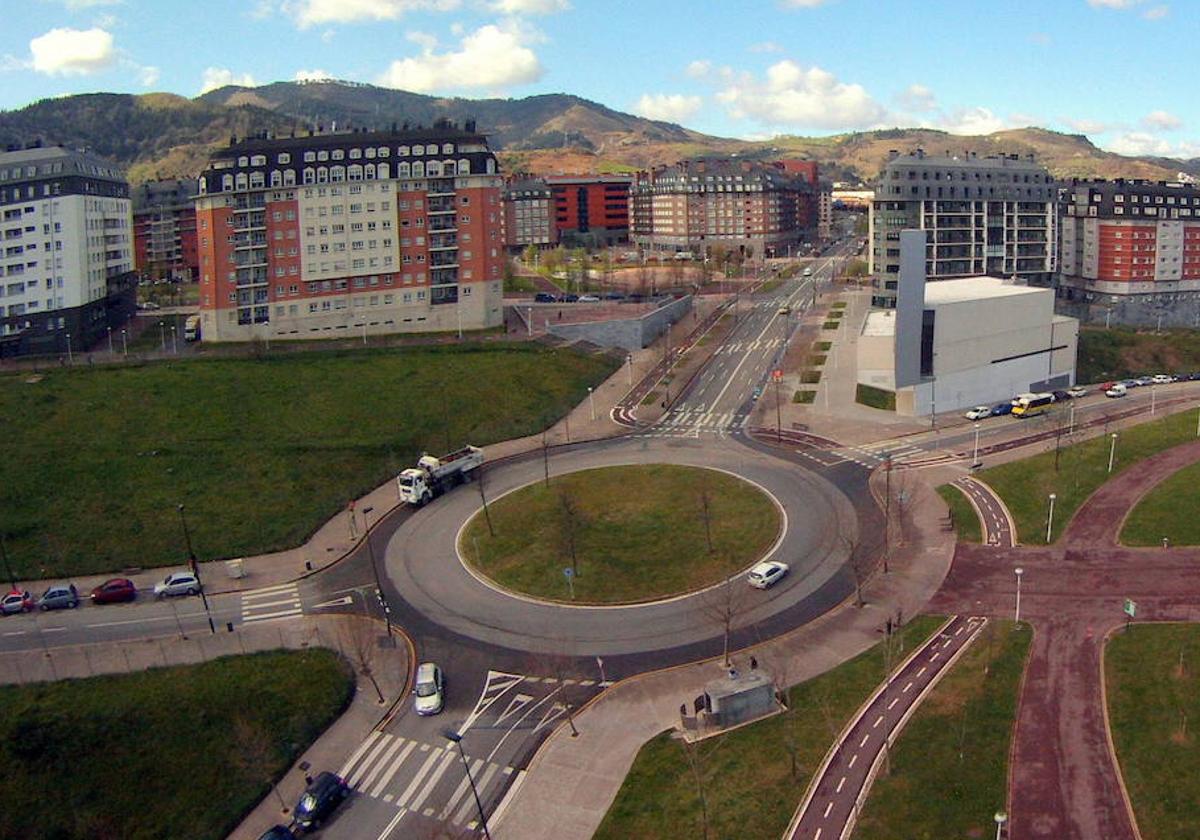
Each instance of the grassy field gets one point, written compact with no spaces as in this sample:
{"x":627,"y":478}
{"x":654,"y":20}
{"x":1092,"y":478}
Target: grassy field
{"x":1167,"y":511}
{"x":1122,"y":353}
{"x":949,"y":769}
{"x":1026,"y":485}
{"x":638,"y":532}
{"x":1152,"y":674}
{"x":151,"y":338}
{"x":261,"y":451}
{"x":966,"y":520}
{"x":519,"y":284}
{"x":754,"y":777}
{"x":804,"y":396}
{"x":875,"y":398}
{"x":170,"y":752}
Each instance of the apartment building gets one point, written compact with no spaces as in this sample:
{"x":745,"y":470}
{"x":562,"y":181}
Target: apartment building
{"x":164,"y":230}
{"x":66,"y":261}
{"x":529,"y":214}
{"x":992,"y":216}
{"x":1130,"y":252}
{"x":381,"y":231}
{"x":753,"y":209}
{"x":591,"y":211}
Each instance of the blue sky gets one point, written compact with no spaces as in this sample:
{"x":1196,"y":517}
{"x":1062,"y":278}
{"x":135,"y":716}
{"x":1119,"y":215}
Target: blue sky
{"x":1116,"y":70}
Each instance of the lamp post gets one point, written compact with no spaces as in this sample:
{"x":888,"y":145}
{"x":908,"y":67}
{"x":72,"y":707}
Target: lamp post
{"x":387,"y":610}
{"x":629,"y":362}
{"x":1001,"y":818}
{"x":110,"y":344}
{"x":1153,"y":395}
{"x":1050,"y":517}
{"x":162,"y":336}
{"x":1112,"y":451}
{"x":124,"y":343}
{"x":975,"y":455}
{"x":592,"y":402}
{"x":451,"y":735}
{"x":70,"y":358}
{"x":364,"y":329}
{"x":174,"y":341}
{"x":187,"y":537}
{"x":1071,"y":422}
{"x":1018,"y":572}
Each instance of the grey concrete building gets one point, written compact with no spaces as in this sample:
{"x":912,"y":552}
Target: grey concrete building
{"x":991,"y":215}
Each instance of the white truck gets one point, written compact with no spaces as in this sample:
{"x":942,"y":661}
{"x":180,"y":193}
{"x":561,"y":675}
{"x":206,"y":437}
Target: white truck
{"x":433,"y":476}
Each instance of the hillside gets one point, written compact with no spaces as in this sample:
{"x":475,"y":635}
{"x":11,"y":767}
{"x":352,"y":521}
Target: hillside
{"x":162,"y":135}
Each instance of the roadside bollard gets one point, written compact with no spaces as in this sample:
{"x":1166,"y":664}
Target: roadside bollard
{"x":229,"y":626}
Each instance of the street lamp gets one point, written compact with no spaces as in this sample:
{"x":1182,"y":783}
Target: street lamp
{"x":162,"y":335}
{"x":975,"y":455}
{"x":110,"y":345}
{"x":1018,"y":572}
{"x":187,"y":537}
{"x":451,"y":735}
{"x":387,"y":611}
{"x":1001,"y":818}
{"x":1153,"y":395}
{"x":124,"y":343}
{"x":592,"y":402}
{"x":1050,"y":516}
{"x":70,"y":358}
{"x":1112,"y":451}
{"x":629,"y":362}
{"x":174,"y":341}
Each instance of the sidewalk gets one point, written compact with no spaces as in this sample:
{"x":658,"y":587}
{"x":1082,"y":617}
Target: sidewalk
{"x":571,"y":782}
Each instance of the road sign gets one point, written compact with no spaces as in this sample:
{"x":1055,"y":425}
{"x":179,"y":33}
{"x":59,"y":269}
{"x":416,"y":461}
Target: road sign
{"x":568,"y":573}
{"x":777,"y":374}
{"x":1130,"y":608}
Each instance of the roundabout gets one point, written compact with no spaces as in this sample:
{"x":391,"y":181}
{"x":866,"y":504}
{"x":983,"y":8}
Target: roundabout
{"x":622,"y":535}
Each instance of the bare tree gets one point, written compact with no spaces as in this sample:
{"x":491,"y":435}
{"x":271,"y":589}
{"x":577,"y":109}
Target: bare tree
{"x":360,"y":646}
{"x":858,"y":562}
{"x":724,"y":605}
{"x":255,"y":754}
{"x":706,"y":513}
{"x":907,"y":491}
{"x":479,"y":482}
{"x":789,"y":737}
{"x":571,"y":522}
{"x":691,"y":753}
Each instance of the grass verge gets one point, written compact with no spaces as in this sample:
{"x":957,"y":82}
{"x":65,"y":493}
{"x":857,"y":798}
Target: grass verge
{"x":1152,"y":677}
{"x":629,"y":533}
{"x":170,"y":752}
{"x":949,"y":768}
{"x":823,"y":346}
{"x":1167,"y":511}
{"x":1120,"y":353}
{"x":261,"y":451}
{"x":754,"y":777}
{"x":810,"y":377}
{"x":839,"y":304}
{"x":966,"y":520}
{"x":804,"y":396}
{"x":831,"y":325}
{"x":1026,"y":485}
{"x":875,"y":398}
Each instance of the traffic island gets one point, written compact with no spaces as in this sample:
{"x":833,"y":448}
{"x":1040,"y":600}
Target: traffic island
{"x":620,"y":535}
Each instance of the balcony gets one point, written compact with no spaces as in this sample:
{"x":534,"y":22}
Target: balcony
{"x":440,"y":186}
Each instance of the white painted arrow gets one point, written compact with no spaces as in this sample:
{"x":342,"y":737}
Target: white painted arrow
{"x":336,"y":602}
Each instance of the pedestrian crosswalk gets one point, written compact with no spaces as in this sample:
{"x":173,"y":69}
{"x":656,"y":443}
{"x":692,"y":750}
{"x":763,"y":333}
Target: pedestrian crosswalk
{"x":406,"y":773}
{"x":872,"y":455}
{"x":272,"y":602}
{"x":732,"y":347}
{"x":691,"y":421}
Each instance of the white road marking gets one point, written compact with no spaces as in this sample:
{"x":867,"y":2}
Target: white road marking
{"x":828,"y":808}
{"x":922,"y":671}
{"x":382,"y":764}
{"x":469,"y":804}
{"x":853,"y":759}
{"x":395,"y":820}
{"x":878,"y":721}
{"x":893,"y":703}
{"x":934,"y":657}
{"x":354,"y":756}
{"x":863,"y":742}
{"x":841,"y":783}
{"x":460,"y":791}
{"x":247,"y":619}
{"x":362,"y":768}
{"x":906,"y":688}
{"x":434,"y":778}
{"x":420,"y":775}
{"x":396,"y":765}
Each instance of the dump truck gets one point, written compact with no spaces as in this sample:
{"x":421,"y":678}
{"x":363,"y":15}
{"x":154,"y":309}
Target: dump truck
{"x":433,"y":476}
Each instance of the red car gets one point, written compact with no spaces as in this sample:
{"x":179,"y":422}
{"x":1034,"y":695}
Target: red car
{"x":114,"y":591}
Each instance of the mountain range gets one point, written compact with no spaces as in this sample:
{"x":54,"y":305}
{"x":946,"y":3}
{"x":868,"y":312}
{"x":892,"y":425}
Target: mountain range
{"x":162,"y":135}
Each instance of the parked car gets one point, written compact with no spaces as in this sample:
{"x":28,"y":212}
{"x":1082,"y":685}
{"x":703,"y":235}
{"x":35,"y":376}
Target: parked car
{"x":1130,"y":383}
{"x":320,"y":799}
{"x":1077,"y":391}
{"x":1060,"y":395}
{"x":59,"y":597}
{"x":1118,"y":390}
{"x":177,"y":583}
{"x":767,"y":574}
{"x":1162,"y":379}
{"x":429,"y":690}
{"x":544,"y":297}
{"x":570,"y":297}
{"x":1145,"y":380}
{"x":978,"y":412}
{"x":16,"y":601}
{"x":1000,"y":409}
{"x":114,"y":591}
{"x":588,"y":299}
{"x":277,"y":832}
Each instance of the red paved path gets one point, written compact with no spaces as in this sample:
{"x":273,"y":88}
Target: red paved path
{"x":1064,"y":783}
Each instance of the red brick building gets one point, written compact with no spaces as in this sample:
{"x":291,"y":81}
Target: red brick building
{"x":164,"y":230}
{"x":591,"y":210}
{"x":312,"y":237}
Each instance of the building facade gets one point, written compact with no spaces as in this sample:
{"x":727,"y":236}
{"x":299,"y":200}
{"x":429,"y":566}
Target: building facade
{"x":753,"y":209}
{"x":1130,"y":252}
{"x":529,"y":215}
{"x":383,"y":232}
{"x":591,"y":211}
{"x":990,"y":215}
{"x":164,"y":230}
{"x":66,"y":261}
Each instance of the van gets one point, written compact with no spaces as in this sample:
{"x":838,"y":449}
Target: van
{"x":808,"y":272}
{"x":1117,"y":390}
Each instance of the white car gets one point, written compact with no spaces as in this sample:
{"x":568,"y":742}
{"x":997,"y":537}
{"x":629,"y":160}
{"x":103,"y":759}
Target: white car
{"x":178,"y":583}
{"x":429,"y":689}
{"x":588,"y":299}
{"x":1163,"y":379}
{"x":766,"y":574}
{"x":1076,"y":391}
{"x":979,"y":412}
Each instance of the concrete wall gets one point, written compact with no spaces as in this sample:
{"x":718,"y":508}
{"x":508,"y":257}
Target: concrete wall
{"x":626,"y":333}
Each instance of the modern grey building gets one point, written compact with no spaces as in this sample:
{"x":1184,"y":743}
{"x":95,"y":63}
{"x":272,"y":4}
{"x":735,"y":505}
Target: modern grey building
{"x":992,"y":215}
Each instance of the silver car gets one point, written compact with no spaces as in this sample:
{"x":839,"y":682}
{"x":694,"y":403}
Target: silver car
{"x":177,"y":583}
{"x":429,"y":690}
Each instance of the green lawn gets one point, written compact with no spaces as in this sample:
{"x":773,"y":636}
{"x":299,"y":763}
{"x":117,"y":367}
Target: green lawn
{"x":152,"y":339}
{"x":1122,"y":352}
{"x":1152,"y":674}
{"x":1026,"y":485}
{"x":875,"y":398}
{"x":830,"y":325}
{"x":804,"y":396}
{"x":1169,"y":510}
{"x":749,"y":782}
{"x":261,"y":451}
{"x":169,"y":752}
{"x":966,"y":520}
{"x":639,"y":533}
{"x":949,"y":769}
{"x":519,"y":284}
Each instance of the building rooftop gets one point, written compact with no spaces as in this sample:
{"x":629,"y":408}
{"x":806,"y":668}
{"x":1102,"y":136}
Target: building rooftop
{"x":974,"y":288}
{"x":880,"y":322}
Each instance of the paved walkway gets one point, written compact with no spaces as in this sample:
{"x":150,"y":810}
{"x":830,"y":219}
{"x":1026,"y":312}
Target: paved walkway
{"x":571,"y":782}
{"x":1064,"y":780}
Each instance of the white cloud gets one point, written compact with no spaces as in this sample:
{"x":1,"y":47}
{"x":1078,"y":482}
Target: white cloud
{"x":765,"y":47}
{"x":670,"y":107}
{"x":698,"y":69}
{"x":797,"y":96}
{"x":492,"y":57}
{"x":1138,"y":143}
{"x":804,"y":4}
{"x":917,"y":98}
{"x":1156,"y":12}
{"x":973,"y":121}
{"x":72,"y":52}
{"x":1113,"y":4}
{"x":312,"y":76}
{"x":219,"y":77}
{"x":316,"y":12}
{"x":529,"y":7}
{"x":1162,"y":121}
{"x":148,"y":75}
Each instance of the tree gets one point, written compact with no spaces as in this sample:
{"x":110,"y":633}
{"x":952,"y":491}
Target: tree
{"x":691,"y":752}
{"x":858,"y":563}
{"x":487,"y":514}
{"x":724,"y":605}
{"x":361,"y":647}
{"x":705,"y":497}
{"x":571,"y":523}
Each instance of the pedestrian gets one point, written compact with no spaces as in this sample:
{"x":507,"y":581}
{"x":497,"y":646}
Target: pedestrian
{"x":753,"y":664}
